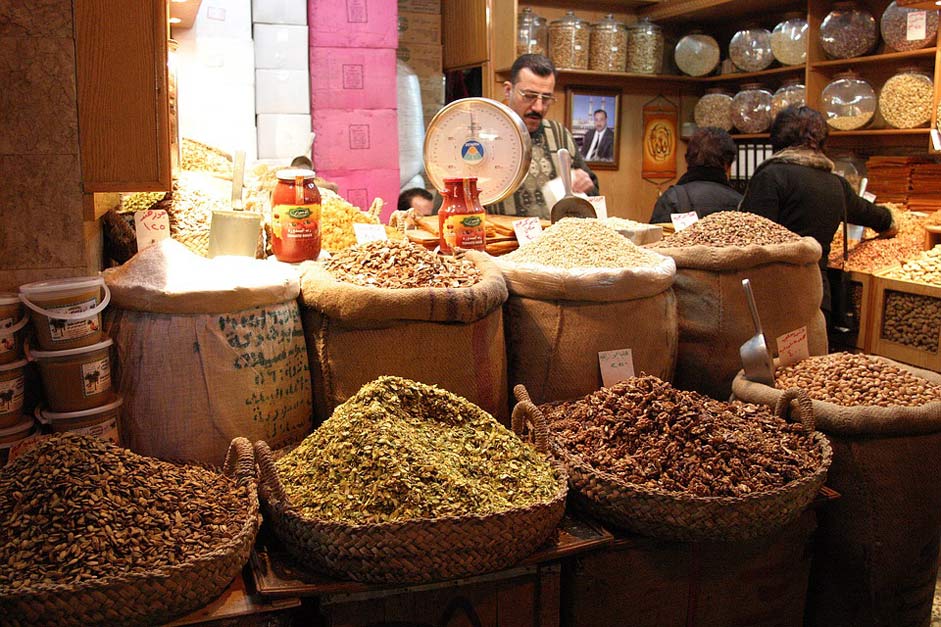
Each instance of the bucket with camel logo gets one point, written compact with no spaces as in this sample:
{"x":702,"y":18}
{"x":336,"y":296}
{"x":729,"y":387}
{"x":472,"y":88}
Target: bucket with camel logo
{"x":76,"y":378}
{"x":66,"y":313}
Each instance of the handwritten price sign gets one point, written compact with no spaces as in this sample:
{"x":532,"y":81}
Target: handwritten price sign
{"x":616,"y":366}
{"x":792,"y":347}
{"x":682,"y":220}
{"x":369,"y":233}
{"x":527,"y":230}
{"x":150,"y":227}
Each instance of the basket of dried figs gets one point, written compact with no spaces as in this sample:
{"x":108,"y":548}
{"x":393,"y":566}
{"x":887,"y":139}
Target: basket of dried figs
{"x":646,"y":457}
{"x":94,"y":534}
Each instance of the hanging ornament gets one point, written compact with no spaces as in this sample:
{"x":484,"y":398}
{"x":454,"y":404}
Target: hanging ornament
{"x":659,"y":141}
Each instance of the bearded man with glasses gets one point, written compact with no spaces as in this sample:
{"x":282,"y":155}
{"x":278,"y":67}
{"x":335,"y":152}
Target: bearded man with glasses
{"x":529,"y":92}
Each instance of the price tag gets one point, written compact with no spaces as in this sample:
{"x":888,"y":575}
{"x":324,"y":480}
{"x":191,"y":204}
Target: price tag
{"x":151,"y":226}
{"x":527,"y":230}
{"x":682,"y":220}
{"x":869,"y":196}
{"x":917,"y":25}
{"x":601,"y":207}
{"x":369,"y":232}
{"x":936,"y":139}
{"x":792,"y":347}
{"x":616,"y":366}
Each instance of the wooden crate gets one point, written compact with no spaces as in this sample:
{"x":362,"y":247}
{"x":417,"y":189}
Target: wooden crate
{"x":862,"y":284}
{"x":919,"y":295}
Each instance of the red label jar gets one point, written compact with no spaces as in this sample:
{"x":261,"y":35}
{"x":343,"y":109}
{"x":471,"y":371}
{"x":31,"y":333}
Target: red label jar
{"x":462,"y":221}
{"x":295,"y":216}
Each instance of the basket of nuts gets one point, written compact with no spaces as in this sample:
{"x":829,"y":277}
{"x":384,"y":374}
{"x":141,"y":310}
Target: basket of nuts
{"x":646,"y":457}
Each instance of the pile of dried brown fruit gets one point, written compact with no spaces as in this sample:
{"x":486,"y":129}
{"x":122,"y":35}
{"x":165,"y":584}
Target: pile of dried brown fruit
{"x":730,"y":228}
{"x":876,"y":253}
{"x":645,"y":432}
{"x":399,"y":265}
{"x":912,"y":320}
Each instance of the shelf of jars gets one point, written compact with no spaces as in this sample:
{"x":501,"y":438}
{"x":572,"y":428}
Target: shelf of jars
{"x":888,"y":57}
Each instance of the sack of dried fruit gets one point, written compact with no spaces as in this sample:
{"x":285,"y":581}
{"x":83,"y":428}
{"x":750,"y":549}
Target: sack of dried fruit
{"x":712,"y":257}
{"x":580,"y":289}
{"x":394,"y":308}
{"x":876,"y":560}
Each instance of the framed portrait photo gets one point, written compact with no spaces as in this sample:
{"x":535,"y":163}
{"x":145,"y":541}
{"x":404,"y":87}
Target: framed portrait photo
{"x":593,"y":116}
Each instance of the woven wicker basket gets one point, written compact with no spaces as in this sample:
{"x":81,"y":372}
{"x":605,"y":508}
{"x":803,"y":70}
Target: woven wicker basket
{"x":672,"y":516}
{"x":146,"y":598}
{"x":414,"y":551}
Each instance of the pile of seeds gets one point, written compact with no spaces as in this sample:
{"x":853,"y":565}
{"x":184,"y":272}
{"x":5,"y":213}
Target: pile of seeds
{"x":848,"y":379}
{"x":849,"y":122}
{"x":579,"y":243}
{"x":623,"y":223}
{"x":877,"y":253}
{"x":199,"y":157}
{"x":730,"y":228}
{"x":400,"y":450}
{"x":644,"y":49}
{"x":400,"y":265}
{"x":905,"y":100}
{"x":608,"y":49}
{"x":648,"y":433}
{"x":76,"y":508}
{"x":925,"y":268}
{"x":912,"y":320}
{"x":337,"y":217}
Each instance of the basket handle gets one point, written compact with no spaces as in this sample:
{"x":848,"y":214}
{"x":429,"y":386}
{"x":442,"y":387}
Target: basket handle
{"x":805,"y":405}
{"x":525,"y":413}
{"x":240,"y":461}
{"x":268,"y":475}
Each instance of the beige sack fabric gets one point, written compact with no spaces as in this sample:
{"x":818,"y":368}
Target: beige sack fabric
{"x":357,"y":334}
{"x":714,"y":320}
{"x":876,"y":559}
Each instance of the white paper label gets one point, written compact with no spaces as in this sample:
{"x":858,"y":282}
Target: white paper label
{"x":64,"y":330}
{"x":917,"y":25}
{"x":527,"y":230}
{"x":682,"y":220}
{"x":11,"y":394}
{"x":96,"y":376}
{"x":600,"y":205}
{"x":151,"y":226}
{"x":369,"y":233}
{"x":107,"y":431}
{"x":616,"y":366}
{"x":792,"y":347}
{"x":869,"y":196}
{"x":936,"y":139}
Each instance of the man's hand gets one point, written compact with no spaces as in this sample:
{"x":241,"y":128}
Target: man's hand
{"x":893,"y":229}
{"x":581,"y":182}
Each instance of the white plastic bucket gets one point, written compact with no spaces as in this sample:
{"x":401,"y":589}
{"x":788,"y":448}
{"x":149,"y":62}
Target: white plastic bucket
{"x":13,"y":436}
{"x":66,"y":313}
{"x":12,"y":387}
{"x":76,"y":378}
{"x":100,"y":422}
{"x":12,"y":322}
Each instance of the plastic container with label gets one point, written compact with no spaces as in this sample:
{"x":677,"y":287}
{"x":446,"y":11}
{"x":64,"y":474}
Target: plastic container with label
{"x":12,"y":388}
{"x":100,"y":422}
{"x":848,"y":101}
{"x":77,"y":378}
{"x":908,"y":28}
{"x":66,"y":313}
{"x":13,"y":321}
{"x":24,"y":429}
{"x":532,"y":33}
{"x":295,"y":216}
{"x":461,"y":218}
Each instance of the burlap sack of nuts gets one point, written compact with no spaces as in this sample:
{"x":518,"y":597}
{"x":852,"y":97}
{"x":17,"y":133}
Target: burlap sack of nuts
{"x":876,"y":559}
{"x":358,"y":333}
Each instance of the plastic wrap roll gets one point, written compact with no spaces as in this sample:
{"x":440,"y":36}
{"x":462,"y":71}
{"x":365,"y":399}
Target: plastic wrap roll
{"x":411,"y":123}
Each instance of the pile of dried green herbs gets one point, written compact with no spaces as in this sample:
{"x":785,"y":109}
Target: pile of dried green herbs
{"x":401,"y":450}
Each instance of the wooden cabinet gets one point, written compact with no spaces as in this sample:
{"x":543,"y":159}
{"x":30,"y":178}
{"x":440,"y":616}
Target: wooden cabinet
{"x":123,"y":104}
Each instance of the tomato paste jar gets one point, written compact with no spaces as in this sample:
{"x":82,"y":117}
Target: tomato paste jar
{"x":462,"y":221}
{"x":295,"y":216}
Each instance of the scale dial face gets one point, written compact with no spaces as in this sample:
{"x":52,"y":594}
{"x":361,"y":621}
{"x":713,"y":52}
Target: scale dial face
{"x":478,"y":137}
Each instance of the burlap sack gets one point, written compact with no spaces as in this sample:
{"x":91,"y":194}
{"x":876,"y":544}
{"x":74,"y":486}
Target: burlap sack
{"x":557,"y":321}
{"x":199,"y":366}
{"x":452,"y":338}
{"x":714,"y":320}
{"x":876,"y":558}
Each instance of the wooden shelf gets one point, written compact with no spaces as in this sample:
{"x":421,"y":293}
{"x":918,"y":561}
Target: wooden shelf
{"x":751,"y":135}
{"x":745,"y":76}
{"x":595,"y":75}
{"x":714,"y":10}
{"x":924,"y":53}
{"x":881,"y":131}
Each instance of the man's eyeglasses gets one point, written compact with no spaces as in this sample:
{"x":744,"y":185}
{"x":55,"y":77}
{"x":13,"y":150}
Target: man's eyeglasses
{"x":532,"y":96}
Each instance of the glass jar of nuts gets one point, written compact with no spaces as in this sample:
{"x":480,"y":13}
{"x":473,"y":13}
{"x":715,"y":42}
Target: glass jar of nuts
{"x":569,"y":42}
{"x":905,"y":99}
{"x":848,"y":101}
{"x":789,"y":40}
{"x":750,"y":49}
{"x":644,"y":47}
{"x":696,"y":54}
{"x":791,"y":93}
{"x":714,"y":109}
{"x":532,"y":33}
{"x":751,"y":109}
{"x":848,"y":31}
{"x":608,"y":45}
{"x":897,"y":33}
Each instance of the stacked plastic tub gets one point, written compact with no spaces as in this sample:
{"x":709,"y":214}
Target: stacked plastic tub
{"x":14,"y":426}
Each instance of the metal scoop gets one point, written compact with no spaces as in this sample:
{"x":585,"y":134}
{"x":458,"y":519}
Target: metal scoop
{"x":756,"y":358}
{"x":569,"y":206}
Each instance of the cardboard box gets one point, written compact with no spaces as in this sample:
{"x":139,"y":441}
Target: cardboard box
{"x":279,"y":11}
{"x":230,"y":60}
{"x":419,"y":28}
{"x":420,"y":6}
{"x":347,"y":78}
{"x":424,"y":59}
{"x":283,"y":135}
{"x":429,"y":111}
{"x":360,"y":187}
{"x":353,"y":24}
{"x":282,"y":91}
{"x":356,"y":139}
{"x":223,"y":18}
{"x":432,"y":89}
{"x":281,"y":47}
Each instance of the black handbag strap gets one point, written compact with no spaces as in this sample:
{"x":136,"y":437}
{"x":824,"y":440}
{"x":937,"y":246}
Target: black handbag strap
{"x":846,"y":228}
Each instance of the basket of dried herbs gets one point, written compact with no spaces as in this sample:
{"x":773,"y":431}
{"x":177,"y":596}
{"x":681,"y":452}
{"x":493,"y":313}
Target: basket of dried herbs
{"x":93,"y":534}
{"x":408,"y":483}
{"x":644,"y":456}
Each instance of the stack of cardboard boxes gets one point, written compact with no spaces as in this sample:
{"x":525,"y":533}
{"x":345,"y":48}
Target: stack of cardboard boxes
{"x":419,"y":26}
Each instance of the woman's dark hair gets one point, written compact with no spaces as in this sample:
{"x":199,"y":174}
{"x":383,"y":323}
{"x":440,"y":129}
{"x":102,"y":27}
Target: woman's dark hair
{"x":712,"y":147}
{"x":798,"y":127}
{"x":405,"y":198}
{"x":538,"y":64}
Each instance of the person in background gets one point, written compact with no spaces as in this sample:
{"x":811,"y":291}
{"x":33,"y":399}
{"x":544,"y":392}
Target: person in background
{"x":421,"y":200}
{"x":598,"y":143}
{"x":529,"y":92}
{"x":796,"y":188}
{"x":704,"y":188}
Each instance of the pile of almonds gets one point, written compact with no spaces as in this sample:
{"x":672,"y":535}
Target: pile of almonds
{"x":730,"y":228}
{"x":925,"y":268}
{"x":399,"y":265}
{"x":875,"y":253}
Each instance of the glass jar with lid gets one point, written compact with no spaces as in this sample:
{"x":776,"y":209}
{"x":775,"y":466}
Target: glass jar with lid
{"x":791,"y":93}
{"x":750,"y":49}
{"x":569,"y":40}
{"x":644,"y":47}
{"x":714,"y":109}
{"x":902,"y":29}
{"x":789,"y":40}
{"x":608,"y":45}
{"x":848,"y":31}
{"x":905,"y":99}
{"x":532,"y":33}
{"x":751,"y":109}
{"x":848,"y":102}
{"x":696,"y":54}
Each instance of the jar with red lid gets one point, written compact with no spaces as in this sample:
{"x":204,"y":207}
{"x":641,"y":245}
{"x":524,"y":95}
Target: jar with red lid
{"x":462,"y":221}
{"x":295,"y":216}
